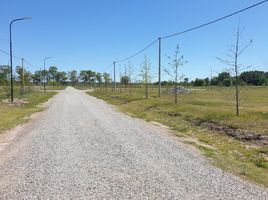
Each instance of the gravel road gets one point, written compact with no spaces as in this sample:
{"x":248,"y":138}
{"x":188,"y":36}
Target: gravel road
{"x":82,"y":148}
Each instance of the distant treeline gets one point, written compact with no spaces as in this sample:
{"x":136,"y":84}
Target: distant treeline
{"x":254,"y":78}
{"x":52,"y":76}
{"x":88,"y":77}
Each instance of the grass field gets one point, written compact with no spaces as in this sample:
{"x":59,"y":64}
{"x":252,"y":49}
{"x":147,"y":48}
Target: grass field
{"x":210,"y":104}
{"x":12,"y":115}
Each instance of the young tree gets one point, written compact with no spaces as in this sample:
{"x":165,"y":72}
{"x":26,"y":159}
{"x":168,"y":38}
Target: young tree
{"x":125,"y":78}
{"x":236,"y":51}
{"x":130,"y":74}
{"x":174,"y":63}
{"x":120,"y":78}
{"x":146,"y":74}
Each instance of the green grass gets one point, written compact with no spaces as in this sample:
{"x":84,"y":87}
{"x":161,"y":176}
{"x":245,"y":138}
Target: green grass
{"x":212,"y":105}
{"x":11,"y":115}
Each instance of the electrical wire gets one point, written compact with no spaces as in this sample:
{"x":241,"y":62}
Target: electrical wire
{"x":134,"y":55}
{"x":191,"y":29}
{"x":108,"y":67}
{"x":9,"y":54}
{"x":216,"y":20}
{"x":19,"y":58}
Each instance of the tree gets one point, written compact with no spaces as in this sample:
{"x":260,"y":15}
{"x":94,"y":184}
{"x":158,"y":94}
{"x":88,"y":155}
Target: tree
{"x":146,"y":74}
{"x":99,"y":78}
{"x":87,"y":76}
{"x":186,"y":80}
{"x":174,"y":63}
{"x":130,"y":73}
{"x":124,"y":80}
{"x":4,"y":74}
{"x":206,"y":80}
{"x":199,"y":82}
{"x":37,"y":77}
{"x":236,"y":51}
{"x":214,"y":81}
{"x":253,"y":77}
{"x":223,"y":77}
{"x":107,"y":79}
{"x":23,"y":77}
{"x":72,"y":75}
{"x":44,"y":75}
{"x":5,"y":77}
{"x":61,"y":77}
{"x":52,"y":73}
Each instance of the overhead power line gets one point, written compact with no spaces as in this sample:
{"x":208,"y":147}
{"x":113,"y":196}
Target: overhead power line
{"x":26,"y":61}
{"x":216,"y":20}
{"x":17,"y":57}
{"x":9,"y":54}
{"x":134,"y":55}
{"x":108,"y":67}
{"x":192,"y":29}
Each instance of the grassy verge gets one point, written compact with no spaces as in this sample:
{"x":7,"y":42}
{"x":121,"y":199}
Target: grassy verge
{"x":244,"y":159}
{"x":11,"y":115}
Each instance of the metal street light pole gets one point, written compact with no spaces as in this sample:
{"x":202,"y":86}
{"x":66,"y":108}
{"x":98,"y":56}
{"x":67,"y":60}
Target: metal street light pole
{"x":44,"y":75}
{"x":10,"y":47}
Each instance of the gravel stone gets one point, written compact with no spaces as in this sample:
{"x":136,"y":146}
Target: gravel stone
{"x":82,"y":148}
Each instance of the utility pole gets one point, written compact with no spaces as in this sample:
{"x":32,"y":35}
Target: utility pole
{"x":44,"y":75}
{"x":11,"y":67}
{"x":40,"y":79}
{"x":114,"y":78}
{"x":22,"y":80}
{"x":159,"y":67}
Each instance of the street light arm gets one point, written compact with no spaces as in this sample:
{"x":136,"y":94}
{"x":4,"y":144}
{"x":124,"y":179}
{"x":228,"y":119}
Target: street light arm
{"x":47,"y":58}
{"x":19,"y":19}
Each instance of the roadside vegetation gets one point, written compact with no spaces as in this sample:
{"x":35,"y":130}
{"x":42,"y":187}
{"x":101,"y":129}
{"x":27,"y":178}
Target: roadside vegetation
{"x":203,"y":118}
{"x":24,"y":105}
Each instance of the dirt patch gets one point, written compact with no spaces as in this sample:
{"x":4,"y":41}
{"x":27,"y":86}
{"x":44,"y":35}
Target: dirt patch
{"x":16,"y":102}
{"x":240,"y":134}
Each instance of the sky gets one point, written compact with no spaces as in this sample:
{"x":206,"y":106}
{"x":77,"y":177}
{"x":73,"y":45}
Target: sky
{"x":91,"y":34}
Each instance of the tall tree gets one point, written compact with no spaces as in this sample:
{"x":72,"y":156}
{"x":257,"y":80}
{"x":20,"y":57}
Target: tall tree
{"x":99,"y":78}
{"x":23,"y":77}
{"x":37,"y":77}
{"x":73,"y":77}
{"x":107,"y":80}
{"x":87,"y":76}
{"x":5,"y":77}
{"x":124,"y":80}
{"x":4,"y":74}
{"x":61,"y":77}
{"x":52,"y":73}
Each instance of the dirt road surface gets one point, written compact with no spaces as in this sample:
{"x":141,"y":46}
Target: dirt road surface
{"x":82,"y":148}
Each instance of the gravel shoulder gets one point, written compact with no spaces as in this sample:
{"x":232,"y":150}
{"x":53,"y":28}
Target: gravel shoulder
{"x":82,"y":148}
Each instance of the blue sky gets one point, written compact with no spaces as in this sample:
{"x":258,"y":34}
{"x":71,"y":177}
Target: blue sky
{"x":87,"y":34}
